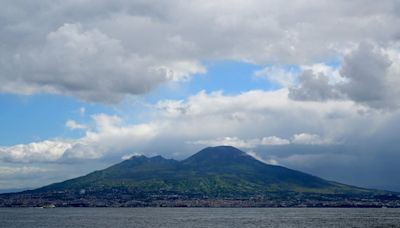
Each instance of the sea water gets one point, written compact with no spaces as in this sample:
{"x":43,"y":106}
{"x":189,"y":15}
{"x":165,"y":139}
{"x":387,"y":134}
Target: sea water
{"x":199,"y":217}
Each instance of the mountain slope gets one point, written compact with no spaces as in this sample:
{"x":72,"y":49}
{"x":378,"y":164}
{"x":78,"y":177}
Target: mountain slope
{"x":214,"y":177}
{"x":222,"y":171}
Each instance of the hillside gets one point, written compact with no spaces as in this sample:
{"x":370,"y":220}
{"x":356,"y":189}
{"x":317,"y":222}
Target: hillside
{"x":211,"y":175}
{"x":214,"y":171}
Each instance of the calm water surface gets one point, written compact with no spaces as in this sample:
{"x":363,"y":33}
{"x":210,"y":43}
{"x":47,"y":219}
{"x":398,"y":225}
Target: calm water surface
{"x":198,"y":217}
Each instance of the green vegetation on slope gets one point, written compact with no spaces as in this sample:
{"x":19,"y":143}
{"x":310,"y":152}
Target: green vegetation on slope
{"x":213,"y":172}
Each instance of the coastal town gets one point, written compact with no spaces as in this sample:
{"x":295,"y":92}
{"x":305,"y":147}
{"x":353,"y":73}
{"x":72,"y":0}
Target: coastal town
{"x":119,"y":199}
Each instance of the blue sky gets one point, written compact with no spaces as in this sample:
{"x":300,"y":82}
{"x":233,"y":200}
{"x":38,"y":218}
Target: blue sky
{"x":83,"y":87}
{"x":230,"y":77}
{"x":38,"y":117}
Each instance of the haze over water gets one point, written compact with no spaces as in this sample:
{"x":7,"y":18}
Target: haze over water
{"x":199,"y":217}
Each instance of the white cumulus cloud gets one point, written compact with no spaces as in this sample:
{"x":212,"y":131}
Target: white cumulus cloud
{"x":305,"y":138}
{"x":72,"y":124}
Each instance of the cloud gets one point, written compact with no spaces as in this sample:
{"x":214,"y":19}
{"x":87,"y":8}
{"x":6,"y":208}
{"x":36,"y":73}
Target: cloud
{"x":373,"y":76}
{"x":305,"y":138}
{"x":82,"y":111}
{"x":48,"y":150}
{"x":273,"y":140}
{"x":129,"y":156}
{"x":302,"y":138}
{"x":241,"y":143}
{"x":87,"y":64}
{"x":110,"y":138}
{"x":72,"y":124}
{"x":370,"y":76}
{"x":325,"y":69}
{"x":201,"y":116}
{"x":256,"y":156}
{"x":18,"y":172}
{"x":22,"y":176}
{"x":280,"y":75}
{"x":177,"y":127}
{"x":102,"y":53}
{"x":314,"y":87}
{"x":107,"y":137}
{"x":90,"y":65}
{"x":255,"y":112}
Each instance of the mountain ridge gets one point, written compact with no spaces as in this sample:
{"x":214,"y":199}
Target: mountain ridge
{"x":221,"y":160}
{"x":214,"y":174}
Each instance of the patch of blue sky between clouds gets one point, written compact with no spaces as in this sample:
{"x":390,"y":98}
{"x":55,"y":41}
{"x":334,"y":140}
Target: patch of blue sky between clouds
{"x":279,"y":76}
{"x":26,"y":119}
{"x":334,"y":62}
{"x":230,"y":77}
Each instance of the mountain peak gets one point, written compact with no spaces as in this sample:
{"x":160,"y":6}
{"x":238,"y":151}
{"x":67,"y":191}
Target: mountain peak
{"x":217,"y":154}
{"x":223,"y":150}
{"x":142,"y":158}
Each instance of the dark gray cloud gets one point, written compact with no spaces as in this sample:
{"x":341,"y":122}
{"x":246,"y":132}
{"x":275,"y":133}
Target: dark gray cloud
{"x":371,"y":76}
{"x":368,"y":162}
{"x":314,"y":87}
{"x":367,"y":72}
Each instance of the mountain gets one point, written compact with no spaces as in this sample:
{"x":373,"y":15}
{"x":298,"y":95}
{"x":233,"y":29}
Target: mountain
{"x":215,"y":176}
{"x":214,"y":171}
